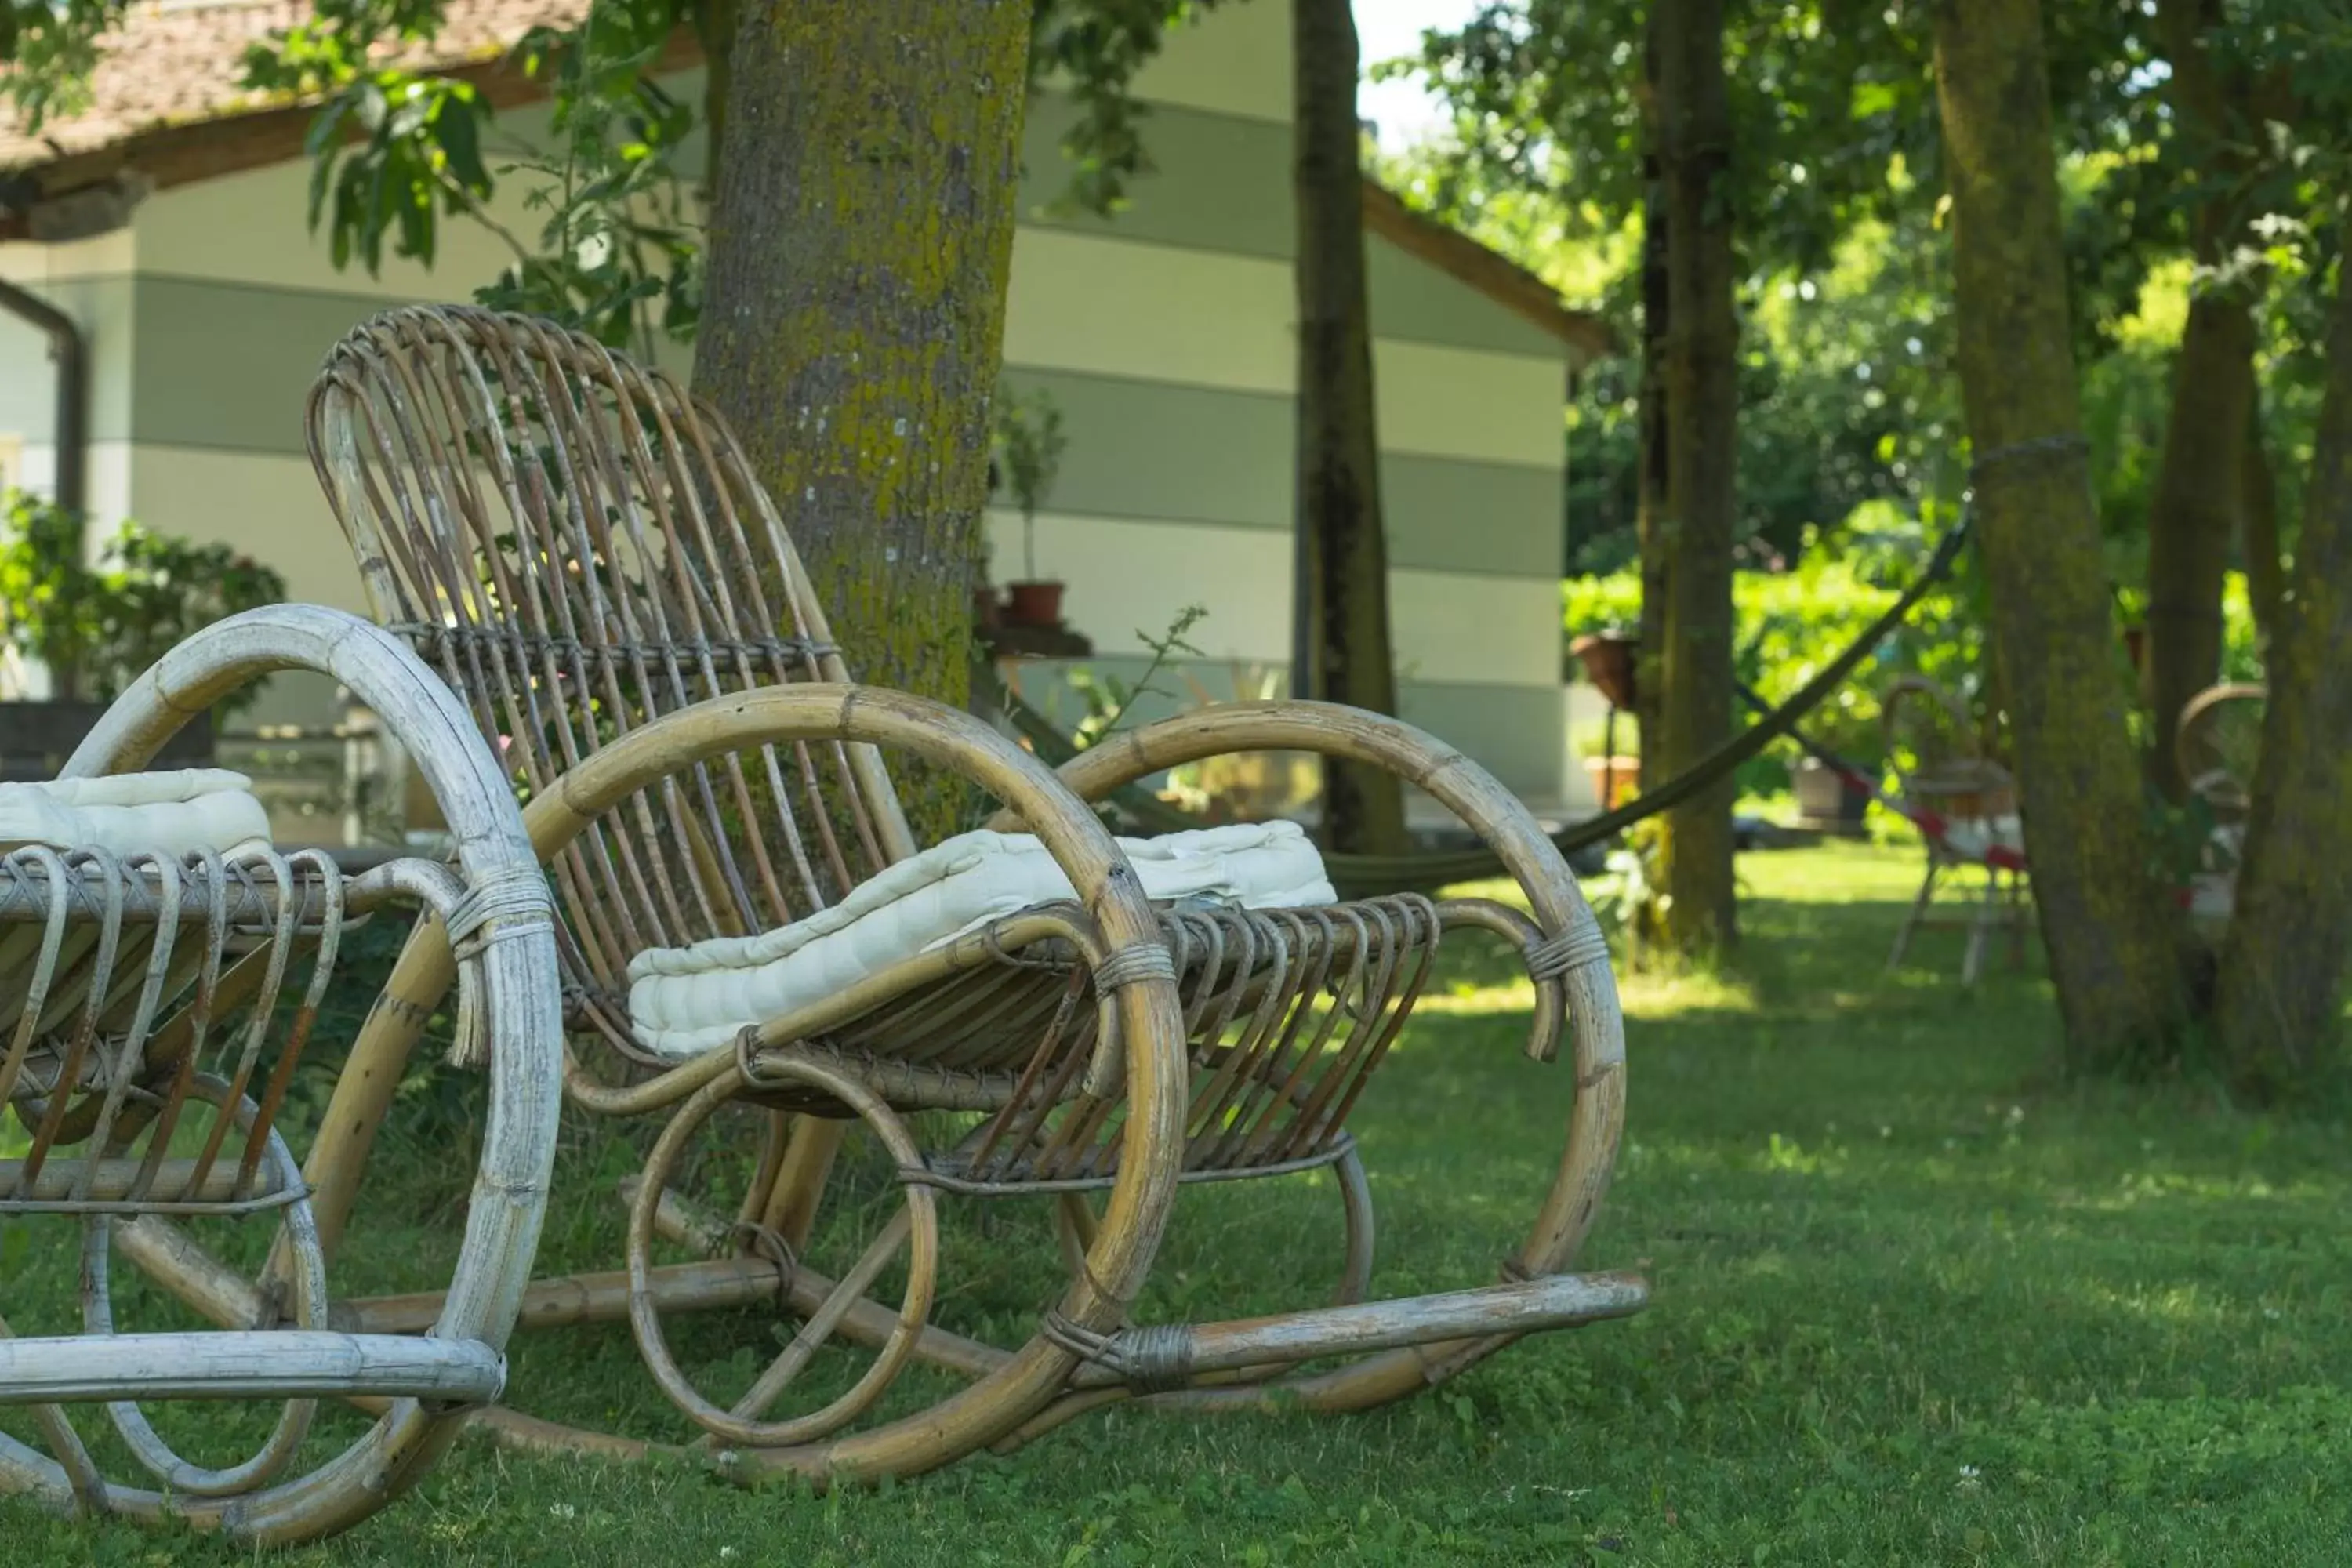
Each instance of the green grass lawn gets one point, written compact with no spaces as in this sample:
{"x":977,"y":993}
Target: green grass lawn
{"x":1915,"y":1301}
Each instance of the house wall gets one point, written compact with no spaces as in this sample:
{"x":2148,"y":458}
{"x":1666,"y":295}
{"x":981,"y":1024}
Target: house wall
{"x":1165,"y":335}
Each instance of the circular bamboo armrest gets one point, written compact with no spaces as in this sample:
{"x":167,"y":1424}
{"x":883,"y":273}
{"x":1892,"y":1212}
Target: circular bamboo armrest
{"x":2218,"y":785}
{"x":505,"y":911}
{"x":1572,"y":957}
{"x":1135,"y":973}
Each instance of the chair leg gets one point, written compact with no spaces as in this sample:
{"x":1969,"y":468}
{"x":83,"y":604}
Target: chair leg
{"x":1979,"y":928}
{"x":2018,"y":914}
{"x":1919,"y":914}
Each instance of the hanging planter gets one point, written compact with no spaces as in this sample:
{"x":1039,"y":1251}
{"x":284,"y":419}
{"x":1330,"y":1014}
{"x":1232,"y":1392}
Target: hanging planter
{"x":1608,"y":661}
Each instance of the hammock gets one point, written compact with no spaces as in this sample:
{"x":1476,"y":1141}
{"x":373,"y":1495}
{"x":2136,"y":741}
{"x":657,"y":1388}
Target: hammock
{"x":1358,"y":876}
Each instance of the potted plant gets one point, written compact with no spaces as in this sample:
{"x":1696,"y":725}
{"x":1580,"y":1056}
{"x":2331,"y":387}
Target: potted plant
{"x":1616,"y":777}
{"x":94,"y":628}
{"x":1027,"y":458}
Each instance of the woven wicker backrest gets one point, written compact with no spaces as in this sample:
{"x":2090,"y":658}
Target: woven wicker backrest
{"x":579,"y":547}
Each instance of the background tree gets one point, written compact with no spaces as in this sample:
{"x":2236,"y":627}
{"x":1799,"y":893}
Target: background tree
{"x":2104,"y":918}
{"x":1687,"y":550}
{"x":2279,"y":1009}
{"x":2200,"y":488}
{"x":1342,"y":647}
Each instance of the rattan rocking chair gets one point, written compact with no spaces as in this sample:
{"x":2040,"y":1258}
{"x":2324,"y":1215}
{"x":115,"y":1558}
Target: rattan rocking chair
{"x":154,"y":1011}
{"x":582,"y":552}
{"x":2217,"y":744}
{"x":1965,"y":806}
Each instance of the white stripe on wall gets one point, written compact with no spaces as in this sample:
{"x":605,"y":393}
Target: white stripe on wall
{"x":28,"y":265}
{"x":1128,"y":581}
{"x":1232,"y":60}
{"x":267,"y":507}
{"x":1112,"y":306}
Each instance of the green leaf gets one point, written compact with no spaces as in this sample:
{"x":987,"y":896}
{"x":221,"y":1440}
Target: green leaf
{"x":457,"y":132}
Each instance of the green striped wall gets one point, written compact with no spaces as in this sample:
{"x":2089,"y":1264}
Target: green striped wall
{"x":1515,"y":733}
{"x":1221,"y":182}
{"x":1136,"y":448}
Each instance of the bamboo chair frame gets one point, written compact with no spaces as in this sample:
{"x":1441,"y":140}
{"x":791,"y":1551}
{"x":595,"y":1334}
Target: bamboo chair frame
{"x":2216,"y":745}
{"x":1950,"y":777}
{"x":136,"y":991}
{"x":547,"y":523}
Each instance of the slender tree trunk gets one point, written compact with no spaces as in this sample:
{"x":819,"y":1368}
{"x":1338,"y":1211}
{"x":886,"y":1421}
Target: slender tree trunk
{"x":1343,"y":550}
{"x":1702,"y":388}
{"x":854,"y":314}
{"x":714,"y":26}
{"x":2258,"y":518}
{"x":2281,"y":972}
{"x":2109,"y":929}
{"x":2194,"y":517}
{"x":1649,"y":478}
{"x":2198,"y":485}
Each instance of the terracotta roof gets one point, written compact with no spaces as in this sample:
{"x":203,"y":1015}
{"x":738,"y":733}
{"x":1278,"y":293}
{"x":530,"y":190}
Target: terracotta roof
{"x":167,"y":106}
{"x":176,"y":63}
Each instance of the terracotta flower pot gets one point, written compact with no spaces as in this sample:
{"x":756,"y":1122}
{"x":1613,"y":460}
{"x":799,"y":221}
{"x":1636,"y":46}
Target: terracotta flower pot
{"x":1034,"y":604}
{"x":1615,"y":780}
{"x":1608,"y":661}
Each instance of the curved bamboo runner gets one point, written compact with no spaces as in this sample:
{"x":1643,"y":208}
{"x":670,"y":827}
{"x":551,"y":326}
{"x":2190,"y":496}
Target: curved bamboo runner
{"x":153,"y":1015}
{"x":583,"y":553}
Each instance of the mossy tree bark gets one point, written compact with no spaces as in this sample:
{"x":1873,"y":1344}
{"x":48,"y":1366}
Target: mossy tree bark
{"x":2110,"y":932}
{"x":1702,"y":393}
{"x":1343,"y":551}
{"x":2200,"y":478}
{"x":2282,"y":971}
{"x":854,"y":318}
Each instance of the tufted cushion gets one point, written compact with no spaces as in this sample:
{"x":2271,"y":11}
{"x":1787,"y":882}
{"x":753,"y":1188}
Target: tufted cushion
{"x":687,"y":1000}
{"x":172,"y":814}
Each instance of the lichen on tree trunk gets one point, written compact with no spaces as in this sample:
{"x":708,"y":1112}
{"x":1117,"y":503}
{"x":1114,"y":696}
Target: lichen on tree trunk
{"x":1701,"y":385}
{"x":1343,"y":553}
{"x":854,"y":319}
{"x":2110,"y":932}
{"x":2278,"y":1001}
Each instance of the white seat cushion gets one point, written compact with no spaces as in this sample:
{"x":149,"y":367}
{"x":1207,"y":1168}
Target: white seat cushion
{"x":685,"y":1000}
{"x":172,"y":814}
{"x":1976,"y":837}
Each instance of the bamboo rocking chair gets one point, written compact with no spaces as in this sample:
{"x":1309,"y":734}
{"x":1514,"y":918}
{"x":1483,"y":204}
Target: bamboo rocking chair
{"x":154,"y":1014}
{"x":581,"y":551}
{"x":2217,"y":744}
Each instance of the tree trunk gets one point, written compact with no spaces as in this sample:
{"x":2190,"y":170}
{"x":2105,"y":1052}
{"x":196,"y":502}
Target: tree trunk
{"x":2200,"y":479}
{"x":2258,"y":518}
{"x":2194,"y":516}
{"x":2110,"y":931}
{"x":2282,"y":962}
{"x":715,"y":24}
{"x":1702,"y":391}
{"x":1343,"y":554}
{"x":855,"y":311}
{"x":1650,"y":478}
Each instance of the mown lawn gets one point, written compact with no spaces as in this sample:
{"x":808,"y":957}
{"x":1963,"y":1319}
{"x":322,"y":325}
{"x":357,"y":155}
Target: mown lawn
{"x":1915,"y":1302}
